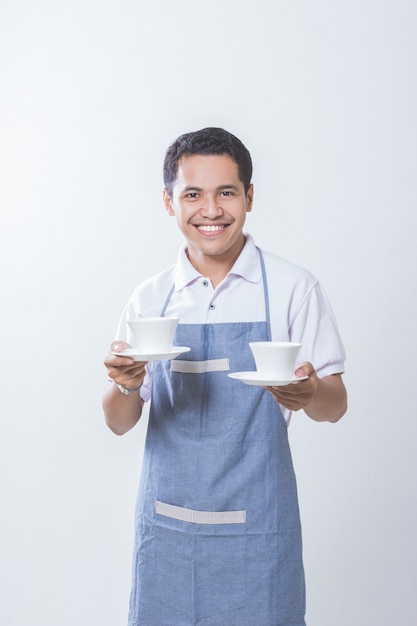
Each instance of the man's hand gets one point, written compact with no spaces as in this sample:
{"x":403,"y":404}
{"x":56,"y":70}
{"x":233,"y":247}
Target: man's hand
{"x":122,"y":411}
{"x":124,"y":370}
{"x":323,"y":399}
{"x":296,"y":396}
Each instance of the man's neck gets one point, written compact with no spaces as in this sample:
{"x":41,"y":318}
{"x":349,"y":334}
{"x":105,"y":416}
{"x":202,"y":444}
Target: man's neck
{"x":215,"y":268}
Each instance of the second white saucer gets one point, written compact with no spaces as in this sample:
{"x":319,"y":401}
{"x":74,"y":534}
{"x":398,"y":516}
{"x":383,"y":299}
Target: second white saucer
{"x":255,"y":378}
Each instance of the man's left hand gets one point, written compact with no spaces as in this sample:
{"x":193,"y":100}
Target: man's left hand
{"x":298,"y":395}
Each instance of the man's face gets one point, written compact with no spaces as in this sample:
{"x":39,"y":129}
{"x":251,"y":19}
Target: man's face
{"x":210,"y":205}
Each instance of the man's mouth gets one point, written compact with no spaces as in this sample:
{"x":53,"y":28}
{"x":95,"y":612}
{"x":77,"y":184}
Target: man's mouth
{"x":211,"y":228}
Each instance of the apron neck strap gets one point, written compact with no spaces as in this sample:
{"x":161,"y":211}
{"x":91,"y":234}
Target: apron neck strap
{"x":266,"y":295}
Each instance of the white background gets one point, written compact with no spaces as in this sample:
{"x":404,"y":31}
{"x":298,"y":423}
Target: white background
{"x":92,"y":92}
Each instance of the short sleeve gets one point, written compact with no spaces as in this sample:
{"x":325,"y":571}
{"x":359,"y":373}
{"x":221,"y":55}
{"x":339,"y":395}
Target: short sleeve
{"x":314,"y":326}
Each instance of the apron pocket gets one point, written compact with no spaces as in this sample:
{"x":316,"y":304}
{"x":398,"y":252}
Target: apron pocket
{"x":276,"y":576}
{"x":173,"y":570}
{"x":202,"y":573}
{"x":220,"y":572}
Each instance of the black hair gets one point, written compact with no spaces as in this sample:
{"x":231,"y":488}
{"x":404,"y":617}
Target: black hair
{"x":207,"y":141}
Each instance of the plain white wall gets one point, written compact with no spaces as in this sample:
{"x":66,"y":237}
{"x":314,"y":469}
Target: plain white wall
{"x":92,"y":92}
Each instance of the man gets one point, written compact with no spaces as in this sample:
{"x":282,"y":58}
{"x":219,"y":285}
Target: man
{"x":218,"y":538}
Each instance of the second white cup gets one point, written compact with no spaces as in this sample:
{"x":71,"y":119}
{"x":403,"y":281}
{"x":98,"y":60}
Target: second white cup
{"x":275,"y":359}
{"x":153,"y":335}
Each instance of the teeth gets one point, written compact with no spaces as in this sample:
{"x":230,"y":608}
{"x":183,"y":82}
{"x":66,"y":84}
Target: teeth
{"x":208,"y":228}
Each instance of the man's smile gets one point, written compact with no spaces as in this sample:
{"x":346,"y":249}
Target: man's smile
{"x":211,"y":228}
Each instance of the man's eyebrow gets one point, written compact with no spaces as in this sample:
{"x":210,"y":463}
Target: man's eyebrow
{"x":191,"y":188}
{"x":200,"y":189}
{"x":229,"y":186}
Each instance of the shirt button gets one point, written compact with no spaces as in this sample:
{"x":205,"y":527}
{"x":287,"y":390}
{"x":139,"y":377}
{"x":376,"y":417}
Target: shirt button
{"x":212,"y":307}
{"x":205,"y":283}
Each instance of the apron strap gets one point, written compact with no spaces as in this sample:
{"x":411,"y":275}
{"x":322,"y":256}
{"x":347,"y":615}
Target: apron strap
{"x":167,"y":300}
{"x":266,"y":295}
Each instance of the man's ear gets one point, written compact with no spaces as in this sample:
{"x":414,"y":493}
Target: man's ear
{"x":167,"y":202}
{"x":249,"y":199}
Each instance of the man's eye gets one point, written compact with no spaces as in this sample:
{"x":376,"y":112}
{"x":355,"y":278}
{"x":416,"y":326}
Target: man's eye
{"x":192,"y":195}
{"x":226,"y":193}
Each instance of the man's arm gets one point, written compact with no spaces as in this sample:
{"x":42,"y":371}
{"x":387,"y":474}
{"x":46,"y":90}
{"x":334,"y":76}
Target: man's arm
{"x":122,"y":411}
{"x":322,"y":399}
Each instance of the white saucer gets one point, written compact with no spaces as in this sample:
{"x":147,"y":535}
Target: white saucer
{"x":165,"y":356}
{"x":254,"y":378}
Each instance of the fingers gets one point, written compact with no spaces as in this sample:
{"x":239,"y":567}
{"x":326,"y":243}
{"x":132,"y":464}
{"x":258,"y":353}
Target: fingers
{"x":124,"y":370}
{"x":112,"y":360}
{"x":128,"y":374}
{"x":298,"y":395}
{"x":290,"y":400}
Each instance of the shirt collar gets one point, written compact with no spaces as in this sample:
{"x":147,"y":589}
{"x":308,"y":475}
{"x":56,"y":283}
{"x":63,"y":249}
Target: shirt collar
{"x":247,"y":265}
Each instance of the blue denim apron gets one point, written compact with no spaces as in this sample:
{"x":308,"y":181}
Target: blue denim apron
{"x":218,"y":537}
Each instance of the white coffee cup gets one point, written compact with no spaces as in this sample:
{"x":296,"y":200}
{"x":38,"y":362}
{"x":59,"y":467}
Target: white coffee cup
{"x":275,"y":359}
{"x":153,"y":335}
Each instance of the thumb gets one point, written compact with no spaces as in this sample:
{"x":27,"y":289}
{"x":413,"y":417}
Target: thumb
{"x":118,"y":346}
{"x":305,"y":369}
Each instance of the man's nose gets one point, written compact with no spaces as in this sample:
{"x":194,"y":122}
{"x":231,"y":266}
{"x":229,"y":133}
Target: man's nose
{"x":211,"y":207}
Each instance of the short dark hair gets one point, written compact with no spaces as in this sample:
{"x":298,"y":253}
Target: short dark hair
{"x":207,"y":141}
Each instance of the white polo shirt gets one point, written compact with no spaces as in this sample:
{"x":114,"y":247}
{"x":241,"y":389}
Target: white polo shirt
{"x":299,"y":309}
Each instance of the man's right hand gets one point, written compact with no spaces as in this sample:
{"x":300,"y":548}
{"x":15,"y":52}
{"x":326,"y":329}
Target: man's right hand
{"x":123,"y":411}
{"x":123,"y":370}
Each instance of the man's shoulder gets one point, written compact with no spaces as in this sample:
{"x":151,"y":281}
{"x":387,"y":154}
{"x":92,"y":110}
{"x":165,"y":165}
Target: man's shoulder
{"x":158,"y":280}
{"x":285,"y":271}
{"x":150,"y":294}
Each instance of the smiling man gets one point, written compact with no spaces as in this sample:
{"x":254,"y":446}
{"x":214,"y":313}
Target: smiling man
{"x":218,"y":533}
{"x":210,"y":203}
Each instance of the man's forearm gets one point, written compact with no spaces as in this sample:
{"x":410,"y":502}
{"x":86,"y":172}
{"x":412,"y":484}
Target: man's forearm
{"x":329,"y":402}
{"x":122,"y":411}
